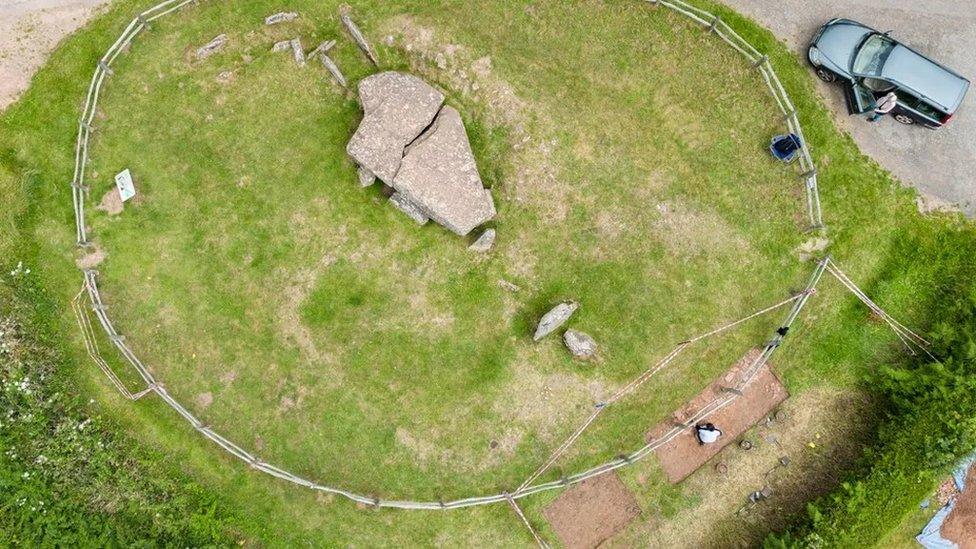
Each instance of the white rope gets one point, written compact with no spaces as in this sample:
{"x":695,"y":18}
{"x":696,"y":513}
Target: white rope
{"x":518,"y":511}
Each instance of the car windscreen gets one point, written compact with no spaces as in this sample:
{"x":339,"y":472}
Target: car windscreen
{"x":870,"y":59}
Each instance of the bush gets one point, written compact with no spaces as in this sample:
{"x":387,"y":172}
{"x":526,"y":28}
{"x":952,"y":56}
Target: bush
{"x":932,"y":423}
{"x":69,"y":478}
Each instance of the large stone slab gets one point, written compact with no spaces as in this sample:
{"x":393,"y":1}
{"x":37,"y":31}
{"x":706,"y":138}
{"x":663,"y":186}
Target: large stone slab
{"x":397,"y":107}
{"x":438,"y":172}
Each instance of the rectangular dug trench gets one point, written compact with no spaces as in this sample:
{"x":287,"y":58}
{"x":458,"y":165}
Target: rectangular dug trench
{"x":683,"y":455}
{"x":589,"y":513}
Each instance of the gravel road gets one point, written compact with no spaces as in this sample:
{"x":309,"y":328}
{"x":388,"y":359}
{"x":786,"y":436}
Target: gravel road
{"x":29,"y":31}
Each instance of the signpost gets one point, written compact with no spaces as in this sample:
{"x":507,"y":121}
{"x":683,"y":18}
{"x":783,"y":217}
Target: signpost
{"x":124,"y":183}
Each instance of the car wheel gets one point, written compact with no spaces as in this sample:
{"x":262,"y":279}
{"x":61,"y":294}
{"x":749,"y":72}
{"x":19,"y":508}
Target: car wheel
{"x":904,"y":119}
{"x":826,"y":75}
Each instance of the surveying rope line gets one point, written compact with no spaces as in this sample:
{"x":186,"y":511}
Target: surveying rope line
{"x":907,"y":336}
{"x":80,"y":191}
{"x":518,"y":511}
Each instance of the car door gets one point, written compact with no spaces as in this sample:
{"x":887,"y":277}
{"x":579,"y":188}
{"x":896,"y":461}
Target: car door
{"x":859,"y":99}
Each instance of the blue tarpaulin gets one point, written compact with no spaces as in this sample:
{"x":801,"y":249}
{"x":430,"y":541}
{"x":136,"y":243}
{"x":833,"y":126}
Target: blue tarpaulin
{"x":931,"y":536}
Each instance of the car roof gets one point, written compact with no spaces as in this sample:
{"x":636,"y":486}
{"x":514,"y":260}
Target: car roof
{"x":927,"y":78}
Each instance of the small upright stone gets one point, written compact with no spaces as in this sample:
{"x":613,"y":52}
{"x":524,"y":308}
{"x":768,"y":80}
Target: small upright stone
{"x":366,"y":177}
{"x":581,"y":345}
{"x":296,"y":47}
{"x":556,"y":317}
{"x":484,"y":242}
{"x":278,"y":47}
{"x":280,"y":17}
{"x":357,"y":35}
{"x":333,"y":69}
{"x":413,"y":211}
{"x":212,"y":46}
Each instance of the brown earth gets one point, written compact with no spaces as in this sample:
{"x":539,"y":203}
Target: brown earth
{"x":589,"y":513}
{"x":960,"y":525}
{"x":111,"y":202}
{"x":683,"y":455}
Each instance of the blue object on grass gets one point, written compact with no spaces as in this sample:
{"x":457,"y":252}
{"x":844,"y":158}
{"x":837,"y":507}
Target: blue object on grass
{"x":785,"y":147}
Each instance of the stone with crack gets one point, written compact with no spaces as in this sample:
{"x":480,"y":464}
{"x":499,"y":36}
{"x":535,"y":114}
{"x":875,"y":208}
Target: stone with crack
{"x":397,"y":107}
{"x":438,"y":172}
{"x":556,"y":317}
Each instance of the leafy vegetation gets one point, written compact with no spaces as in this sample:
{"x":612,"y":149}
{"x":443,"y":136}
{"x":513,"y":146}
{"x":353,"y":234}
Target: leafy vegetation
{"x":931,"y":424}
{"x":252,"y":269}
{"x":68,"y":477}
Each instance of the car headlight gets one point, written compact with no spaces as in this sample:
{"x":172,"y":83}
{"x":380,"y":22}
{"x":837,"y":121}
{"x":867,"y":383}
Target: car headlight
{"x":814,"y":55}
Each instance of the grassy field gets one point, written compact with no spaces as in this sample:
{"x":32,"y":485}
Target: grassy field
{"x":312,"y":323}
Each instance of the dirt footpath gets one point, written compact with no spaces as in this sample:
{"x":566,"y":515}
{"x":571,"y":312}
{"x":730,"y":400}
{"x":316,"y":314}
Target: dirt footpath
{"x":29,"y":32}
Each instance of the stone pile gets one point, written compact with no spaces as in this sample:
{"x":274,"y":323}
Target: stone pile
{"x":419,"y":147}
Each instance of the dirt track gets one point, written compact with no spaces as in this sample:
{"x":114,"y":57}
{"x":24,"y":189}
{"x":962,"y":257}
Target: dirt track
{"x":29,"y":32}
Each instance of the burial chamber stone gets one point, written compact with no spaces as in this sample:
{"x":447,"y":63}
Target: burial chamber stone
{"x":438,"y":173}
{"x":421,"y":150}
{"x":397,"y":107}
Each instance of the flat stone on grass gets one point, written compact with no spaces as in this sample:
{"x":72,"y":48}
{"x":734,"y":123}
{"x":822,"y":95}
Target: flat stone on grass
{"x":397,"y":108}
{"x":439,"y":173}
{"x":582,"y":345}
{"x":591,"y":512}
{"x":280,"y":17}
{"x":212,"y":47}
{"x":556,"y":317}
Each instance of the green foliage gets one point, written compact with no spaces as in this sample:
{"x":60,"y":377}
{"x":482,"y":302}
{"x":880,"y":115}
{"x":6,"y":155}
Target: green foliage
{"x":68,"y":477}
{"x":932,"y":424}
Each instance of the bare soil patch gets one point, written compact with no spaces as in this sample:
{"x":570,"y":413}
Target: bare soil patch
{"x":684,"y":455}
{"x":111,"y":202}
{"x":91,"y":259}
{"x":592,"y":511}
{"x":960,"y":526}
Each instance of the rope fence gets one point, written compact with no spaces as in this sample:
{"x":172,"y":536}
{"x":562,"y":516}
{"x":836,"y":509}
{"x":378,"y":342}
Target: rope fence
{"x":720,"y":28}
{"x":89,"y":296}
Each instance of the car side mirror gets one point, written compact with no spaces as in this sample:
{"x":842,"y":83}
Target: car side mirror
{"x":888,"y":33}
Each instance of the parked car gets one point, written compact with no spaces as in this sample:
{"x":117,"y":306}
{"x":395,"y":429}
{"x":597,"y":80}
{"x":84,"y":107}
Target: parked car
{"x":870,"y":64}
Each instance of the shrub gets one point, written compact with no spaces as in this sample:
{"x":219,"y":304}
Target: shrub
{"x":70,"y":478}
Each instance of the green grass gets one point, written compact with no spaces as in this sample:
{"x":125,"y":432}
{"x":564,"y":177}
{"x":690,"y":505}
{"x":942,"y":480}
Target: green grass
{"x":342,"y":342}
